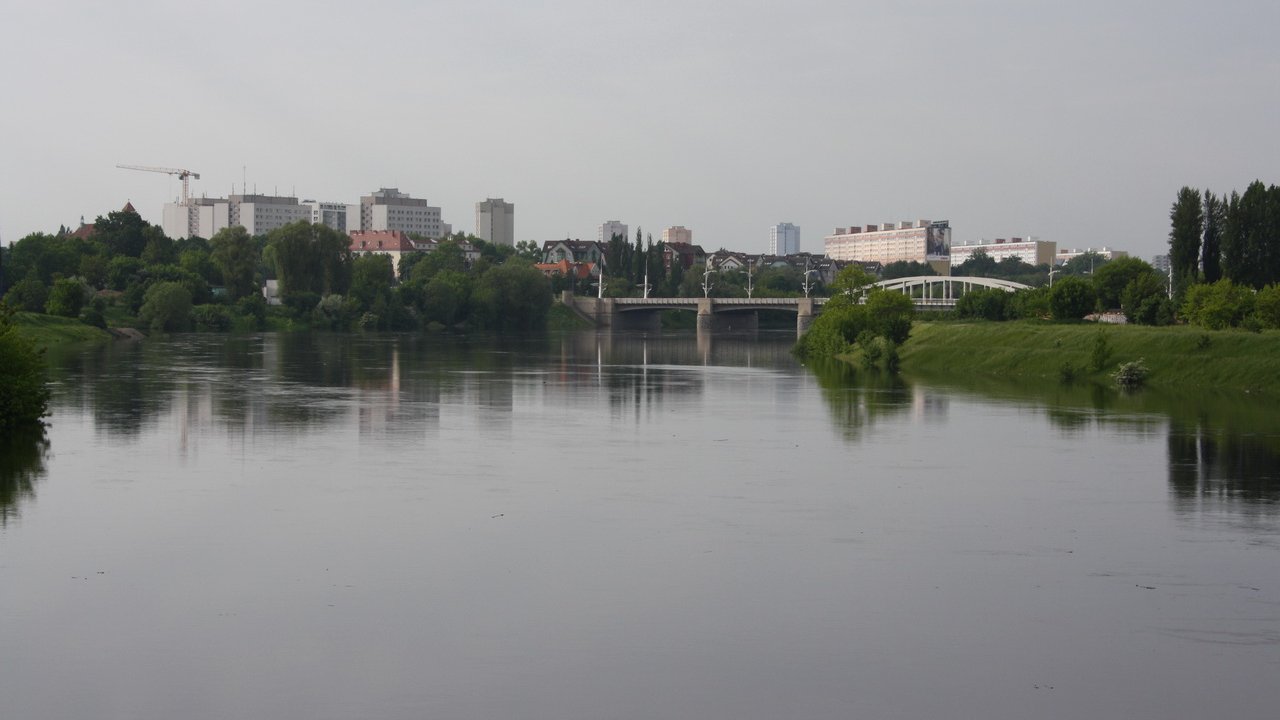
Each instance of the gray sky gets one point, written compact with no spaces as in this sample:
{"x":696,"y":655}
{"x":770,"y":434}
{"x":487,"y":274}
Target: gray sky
{"x":1075,"y":122}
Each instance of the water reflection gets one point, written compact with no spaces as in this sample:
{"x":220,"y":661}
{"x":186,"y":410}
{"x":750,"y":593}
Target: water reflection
{"x":22,"y":463}
{"x":1223,"y":448}
{"x":856,"y":399}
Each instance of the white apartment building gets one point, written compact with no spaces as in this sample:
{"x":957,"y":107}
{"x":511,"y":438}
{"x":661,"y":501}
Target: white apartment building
{"x":389,"y":209}
{"x":333,"y":215}
{"x":496,"y":221}
{"x":1104,"y":252}
{"x":1032,"y":251}
{"x":922,"y":241}
{"x":258,"y":214}
{"x":784,"y":239}
{"x":609,"y":228}
{"x":677,"y":234}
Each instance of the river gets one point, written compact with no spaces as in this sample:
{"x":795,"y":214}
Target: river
{"x":620,"y":526}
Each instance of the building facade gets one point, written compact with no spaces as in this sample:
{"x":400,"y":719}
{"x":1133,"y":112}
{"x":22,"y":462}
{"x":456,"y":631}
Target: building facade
{"x":496,"y":221}
{"x":1032,"y":251}
{"x":784,"y":239}
{"x":1104,"y":252}
{"x":257,"y":214}
{"x":609,"y":228}
{"x":392,"y":243}
{"x":922,"y":241}
{"x":677,"y":234}
{"x":333,"y":215}
{"x":390,"y":209}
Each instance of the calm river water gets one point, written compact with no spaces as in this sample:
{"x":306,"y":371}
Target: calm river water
{"x":338,"y":526}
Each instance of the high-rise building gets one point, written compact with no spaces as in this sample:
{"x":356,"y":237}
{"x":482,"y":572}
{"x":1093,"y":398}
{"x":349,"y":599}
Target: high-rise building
{"x":923,"y":241}
{"x":496,"y":221}
{"x":609,"y":228}
{"x":784,"y":239}
{"x":333,"y":215}
{"x":677,"y":234}
{"x":390,"y":209}
{"x":258,"y":214}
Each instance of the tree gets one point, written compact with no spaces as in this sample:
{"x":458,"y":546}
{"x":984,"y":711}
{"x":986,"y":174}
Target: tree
{"x":447,"y":297}
{"x":235,"y":254}
{"x":24,"y":397}
{"x":1086,"y":263}
{"x":123,"y":232}
{"x":512,"y":296}
{"x":166,"y":306}
{"x":1144,"y":300}
{"x":1221,"y":305}
{"x":852,"y":282}
{"x":891,"y":313}
{"x":66,"y":298}
{"x":29,"y":295}
{"x":1215,"y":217}
{"x":311,"y":258}
{"x":979,"y":264}
{"x":1111,"y":279}
{"x":448,"y":255}
{"x":1187,"y":220}
{"x":529,"y":250}
{"x":912,"y":268}
{"x":1071,"y":298}
{"x":984,"y":304}
{"x":371,"y":279}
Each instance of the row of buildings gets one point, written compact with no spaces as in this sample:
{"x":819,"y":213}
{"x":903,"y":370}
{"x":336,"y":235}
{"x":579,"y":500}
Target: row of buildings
{"x":929,"y":242}
{"x":384,"y":210}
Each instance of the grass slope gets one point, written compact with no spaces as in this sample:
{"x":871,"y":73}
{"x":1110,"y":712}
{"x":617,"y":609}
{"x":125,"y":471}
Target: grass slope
{"x":52,"y":331}
{"x":1179,"y":357}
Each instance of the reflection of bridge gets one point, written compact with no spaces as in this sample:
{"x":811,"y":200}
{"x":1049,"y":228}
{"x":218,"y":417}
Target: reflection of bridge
{"x":927,"y":291}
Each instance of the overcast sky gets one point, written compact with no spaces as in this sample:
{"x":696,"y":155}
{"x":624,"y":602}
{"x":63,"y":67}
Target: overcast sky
{"x":1072,"y":121}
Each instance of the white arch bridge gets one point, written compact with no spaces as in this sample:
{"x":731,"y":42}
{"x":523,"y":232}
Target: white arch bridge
{"x":927,"y":291}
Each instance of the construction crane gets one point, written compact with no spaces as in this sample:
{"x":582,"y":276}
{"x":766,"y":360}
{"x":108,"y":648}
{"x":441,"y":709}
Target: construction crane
{"x":185,"y":175}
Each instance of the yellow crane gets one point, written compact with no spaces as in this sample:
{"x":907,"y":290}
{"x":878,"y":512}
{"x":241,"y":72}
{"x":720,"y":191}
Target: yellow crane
{"x":185,"y":175}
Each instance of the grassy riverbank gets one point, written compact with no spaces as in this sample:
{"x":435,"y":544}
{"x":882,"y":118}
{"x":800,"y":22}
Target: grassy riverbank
{"x":1178,"y":357}
{"x":53,"y":331}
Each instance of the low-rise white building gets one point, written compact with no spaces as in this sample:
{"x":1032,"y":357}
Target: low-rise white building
{"x":922,"y":241}
{"x":1104,"y":252}
{"x":257,"y":214}
{"x":1032,"y":251}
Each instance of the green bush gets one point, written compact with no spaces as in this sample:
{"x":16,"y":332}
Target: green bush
{"x":30,"y":294}
{"x":166,"y":307}
{"x":66,"y":298}
{"x":1131,"y":374}
{"x":210,"y":317}
{"x":1218,"y":306}
{"x":1101,"y":353}
{"x":985,"y":304}
{"x":1266,"y":306}
{"x":24,"y":397}
{"x":1071,"y":299}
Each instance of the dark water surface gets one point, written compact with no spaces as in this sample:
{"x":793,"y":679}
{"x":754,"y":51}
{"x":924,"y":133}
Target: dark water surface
{"x":619,"y":527}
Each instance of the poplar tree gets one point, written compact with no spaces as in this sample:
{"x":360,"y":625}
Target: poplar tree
{"x":1187,"y":218}
{"x":1215,"y":215}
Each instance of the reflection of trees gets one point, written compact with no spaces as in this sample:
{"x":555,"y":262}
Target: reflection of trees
{"x":857,"y":399}
{"x":1222,"y":467}
{"x":21,"y":464}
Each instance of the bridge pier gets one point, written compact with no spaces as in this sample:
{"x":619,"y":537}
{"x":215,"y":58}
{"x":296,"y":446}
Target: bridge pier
{"x":705,"y":316}
{"x":804,"y":316}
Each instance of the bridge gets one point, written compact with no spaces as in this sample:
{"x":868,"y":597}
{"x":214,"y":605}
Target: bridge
{"x":927,"y":291}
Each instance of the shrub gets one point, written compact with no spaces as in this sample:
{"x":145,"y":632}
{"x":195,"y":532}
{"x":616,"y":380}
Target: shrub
{"x":1266,"y":306}
{"x":211,"y":317}
{"x":1131,"y":374}
{"x":166,"y":306}
{"x":984,"y":304}
{"x":1101,"y":353}
{"x":24,"y":397}
{"x":30,"y":294}
{"x":66,"y":298}
{"x":1071,"y":299}
{"x":1218,"y":306}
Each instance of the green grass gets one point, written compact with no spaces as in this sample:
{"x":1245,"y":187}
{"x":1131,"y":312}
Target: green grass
{"x":1179,"y":357}
{"x":53,"y":331}
{"x":560,"y":317}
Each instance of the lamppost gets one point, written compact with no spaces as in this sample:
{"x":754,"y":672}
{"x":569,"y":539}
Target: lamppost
{"x":706,"y":281}
{"x":807,"y":272}
{"x":1052,"y":272}
{"x":750,"y":286}
{"x":647,"y":286}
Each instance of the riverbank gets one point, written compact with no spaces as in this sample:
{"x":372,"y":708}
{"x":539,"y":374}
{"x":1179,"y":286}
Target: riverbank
{"x":1178,"y":357}
{"x":53,"y":331}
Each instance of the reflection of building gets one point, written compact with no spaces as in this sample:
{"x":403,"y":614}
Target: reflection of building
{"x":257,"y":214}
{"x":1032,"y":251}
{"x":924,"y":242}
{"x":1105,"y":252}
{"x":609,"y":228}
{"x":390,"y":209}
{"x":677,"y":234}
{"x":496,"y":221}
{"x":784,"y":239}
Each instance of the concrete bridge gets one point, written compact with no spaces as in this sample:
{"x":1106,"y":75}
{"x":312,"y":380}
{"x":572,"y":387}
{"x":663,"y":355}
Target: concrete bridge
{"x":927,"y":291}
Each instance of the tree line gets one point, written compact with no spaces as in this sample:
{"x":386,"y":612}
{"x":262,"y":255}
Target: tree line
{"x":127,"y":270}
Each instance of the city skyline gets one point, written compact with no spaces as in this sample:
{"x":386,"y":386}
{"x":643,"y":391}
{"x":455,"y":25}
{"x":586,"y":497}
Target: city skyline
{"x":1074,"y":124}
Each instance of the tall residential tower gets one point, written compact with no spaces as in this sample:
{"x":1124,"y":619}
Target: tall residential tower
{"x":496,"y":221}
{"x":784,"y":239}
